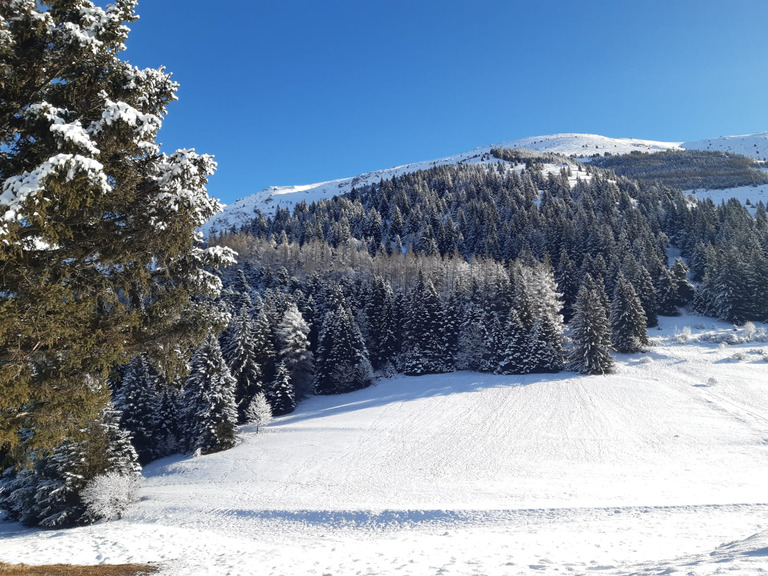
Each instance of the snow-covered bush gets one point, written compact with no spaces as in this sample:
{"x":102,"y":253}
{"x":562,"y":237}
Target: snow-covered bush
{"x":259,"y":411}
{"x":682,"y":336}
{"x":107,"y":496}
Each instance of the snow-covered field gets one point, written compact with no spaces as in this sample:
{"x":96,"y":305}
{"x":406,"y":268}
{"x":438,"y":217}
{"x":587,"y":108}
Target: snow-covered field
{"x":661,"y":468}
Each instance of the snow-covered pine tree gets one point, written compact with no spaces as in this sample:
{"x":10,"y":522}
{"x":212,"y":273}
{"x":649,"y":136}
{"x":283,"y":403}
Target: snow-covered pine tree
{"x":628,"y":321}
{"x":342,"y":363}
{"x":567,"y":283}
{"x":167,"y":434}
{"x":280,"y":393}
{"x":515,"y":356}
{"x":137,"y":401}
{"x":97,"y":226}
{"x":495,"y":346}
{"x":240,"y":355}
{"x":666,"y":294}
{"x":591,"y":333}
{"x":263,"y":344}
{"x":209,"y":410}
{"x":380,"y":323}
{"x":473,"y":339}
{"x":293,"y":338}
{"x":684,"y":290}
{"x":452,"y":315}
{"x":545,"y":346}
{"x":424,"y":346}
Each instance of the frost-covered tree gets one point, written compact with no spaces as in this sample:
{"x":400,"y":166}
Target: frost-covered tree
{"x":97,"y":226}
{"x":514,"y":358}
{"x":379,"y":313}
{"x":107,"y":496}
{"x":293,"y":338}
{"x":591,"y":332}
{"x":209,"y":409}
{"x":259,"y":411}
{"x":628,"y":321}
{"x":473,"y":339}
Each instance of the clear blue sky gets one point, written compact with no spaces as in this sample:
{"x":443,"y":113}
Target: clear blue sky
{"x":299,"y":91}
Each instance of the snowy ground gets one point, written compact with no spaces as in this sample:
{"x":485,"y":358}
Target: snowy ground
{"x":661,"y":468}
{"x":753,"y":194}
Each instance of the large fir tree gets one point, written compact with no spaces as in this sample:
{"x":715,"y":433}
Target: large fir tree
{"x":96,"y":224}
{"x":240,"y":355}
{"x":342,"y":358}
{"x":591,"y":333}
{"x":209,"y":408}
{"x":628,"y":321}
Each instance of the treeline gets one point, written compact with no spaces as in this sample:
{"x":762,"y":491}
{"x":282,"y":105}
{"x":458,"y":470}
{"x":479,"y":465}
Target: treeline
{"x":582,"y":222}
{"x":686,"y":169}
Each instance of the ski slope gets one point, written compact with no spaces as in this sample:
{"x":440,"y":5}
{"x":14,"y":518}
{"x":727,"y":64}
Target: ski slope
{"x":660,"y":468}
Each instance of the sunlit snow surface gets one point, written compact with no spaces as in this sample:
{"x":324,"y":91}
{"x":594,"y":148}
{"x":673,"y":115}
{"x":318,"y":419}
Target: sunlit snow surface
{"x":661,"y":468}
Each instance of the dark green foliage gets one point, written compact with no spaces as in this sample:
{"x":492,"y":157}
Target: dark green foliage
{"x":48,"y":493}
{"x":97,"y":239}
{"x":686,"y":169}
{"x":380,"y":324}
{"x":545,"y":347}
{"x":293,"y":338}
{"x":138,"y":399}
{"x":424,"y":350}
{"x":515,"y":353}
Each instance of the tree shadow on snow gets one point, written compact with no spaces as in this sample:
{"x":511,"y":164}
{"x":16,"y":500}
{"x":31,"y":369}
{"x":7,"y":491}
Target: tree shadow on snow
{"x":411,"y":388}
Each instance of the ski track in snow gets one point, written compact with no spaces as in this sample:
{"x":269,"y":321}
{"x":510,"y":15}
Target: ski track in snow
{"x":660,"y":468}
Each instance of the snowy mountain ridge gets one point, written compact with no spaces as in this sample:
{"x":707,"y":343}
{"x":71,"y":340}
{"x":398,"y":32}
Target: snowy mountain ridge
{"x":574,"y":145}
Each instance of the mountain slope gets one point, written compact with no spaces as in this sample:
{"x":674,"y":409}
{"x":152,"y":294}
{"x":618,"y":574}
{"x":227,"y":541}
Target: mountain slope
{"x":658,"y":468}
{"x":576,"y":145}
{"x":751,"y":145}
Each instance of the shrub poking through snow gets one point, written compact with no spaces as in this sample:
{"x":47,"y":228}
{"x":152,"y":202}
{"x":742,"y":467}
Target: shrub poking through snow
{"x":108,"y":496}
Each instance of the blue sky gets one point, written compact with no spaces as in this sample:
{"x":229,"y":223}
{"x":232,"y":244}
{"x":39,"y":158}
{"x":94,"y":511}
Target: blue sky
{"x":300,"y":91}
